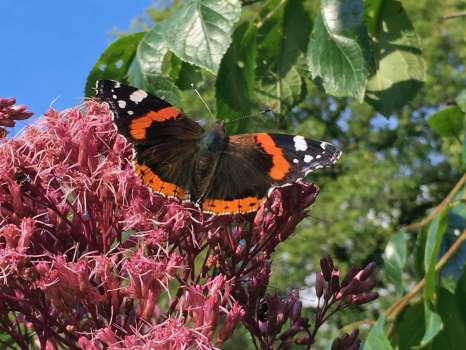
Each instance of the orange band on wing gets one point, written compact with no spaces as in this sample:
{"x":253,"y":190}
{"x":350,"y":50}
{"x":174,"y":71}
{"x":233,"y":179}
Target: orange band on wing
{"x":234,"y":206}
{"x":154,"y":182}
{"x":280,"y":166}
{"x":138,"y":126}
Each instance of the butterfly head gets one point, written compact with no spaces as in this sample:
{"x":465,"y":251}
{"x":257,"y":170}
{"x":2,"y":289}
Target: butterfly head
{"x":215,"y":139}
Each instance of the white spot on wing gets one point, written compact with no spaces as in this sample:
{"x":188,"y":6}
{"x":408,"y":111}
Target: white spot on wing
{"x":296,"y":161}
{"x":117,"y":84}
{"x":318,"y":156}
{"x":308,"y":158}
{"x":130,"y":112}
{"x":300,"y":143}
{"x":138,"y":96}
{"x":114,"y":97}
{"x":323,"y":145}
{"x":121,"y":104}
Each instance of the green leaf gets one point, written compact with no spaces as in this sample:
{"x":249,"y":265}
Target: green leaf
{"x":400,"y":70}
{"x":188,"y":75}
{"x":433,"y":325}
{"x":448,"y":122}
{"x":452,"y":309}
{"x":453,"y":269}
{"x":200,"y":32}
{"x":395,"y":259}
{"x":377,"y":339}
{"x":461,"y":100}
{"x":409,"y":327}
{"x":234,"y":88}
{"x":152,"y":51}
{"x":282,"y":39}
{"x":339,"y":48}
{"x":463,"y":153}
{"x":282,"y":94}
{"x":157,"y":85}
{"x":434,"y":237}
{"x":114,"y":61}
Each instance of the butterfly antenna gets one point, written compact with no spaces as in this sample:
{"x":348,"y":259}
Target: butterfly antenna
{"x":263,"y":111}
{"x":203,"y":101}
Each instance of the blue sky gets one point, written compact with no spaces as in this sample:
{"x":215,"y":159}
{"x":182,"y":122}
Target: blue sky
{"x":48,"y":47}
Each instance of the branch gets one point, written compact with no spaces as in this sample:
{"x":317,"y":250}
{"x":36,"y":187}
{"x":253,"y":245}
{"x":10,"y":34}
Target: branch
{"x":455,"y":15}
{"x":394,"y":310}
{"x":439,"y":208}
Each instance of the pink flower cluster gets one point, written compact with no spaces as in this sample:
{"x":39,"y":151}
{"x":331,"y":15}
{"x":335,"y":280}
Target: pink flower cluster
{"x":92,"y":259}
{"x":9,"y":112}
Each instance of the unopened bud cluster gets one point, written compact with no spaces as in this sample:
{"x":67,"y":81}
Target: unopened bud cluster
{"x":10,"y":112}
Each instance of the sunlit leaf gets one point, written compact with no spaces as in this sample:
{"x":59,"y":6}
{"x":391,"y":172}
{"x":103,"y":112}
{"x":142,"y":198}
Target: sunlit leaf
{"x":200,"y":31}
{"x":152,"y":51}
{"x":338,"y":52}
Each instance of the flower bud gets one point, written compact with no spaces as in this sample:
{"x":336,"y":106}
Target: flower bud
{"x":353,"y":270}
{"x":335,"y":281}
{"x":367,"y":271}
{"x":365,"y":298}
{"x":319,"y":284}
{"x":326,"y":264}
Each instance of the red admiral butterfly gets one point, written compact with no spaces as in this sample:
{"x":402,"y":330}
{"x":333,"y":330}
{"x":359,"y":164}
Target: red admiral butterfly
{"x":222,"y":174}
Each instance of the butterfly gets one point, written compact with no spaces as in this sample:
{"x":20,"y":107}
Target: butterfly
{"x":221,"y":174}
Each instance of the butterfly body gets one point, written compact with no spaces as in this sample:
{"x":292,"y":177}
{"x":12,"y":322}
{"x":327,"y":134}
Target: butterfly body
{"x":221,"y":174}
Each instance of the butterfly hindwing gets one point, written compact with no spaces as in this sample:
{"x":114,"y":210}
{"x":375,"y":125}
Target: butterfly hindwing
{"x":253,"y":163}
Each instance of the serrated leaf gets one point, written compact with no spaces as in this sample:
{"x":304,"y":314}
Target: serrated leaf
{"x":448,"y":122}
{"x":114,"y":61}
{"x":461,"y":100}
{"x":434,"y":237}
{"x":234,"y":87}
{"x":377,"y":339}
{"x":433,"y":325}
{"x":200,"y":31}
{"x":395,"y":259}
{"x":400,"y":70}
{"x":152,"y":51}
{"x":338,"y":52}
